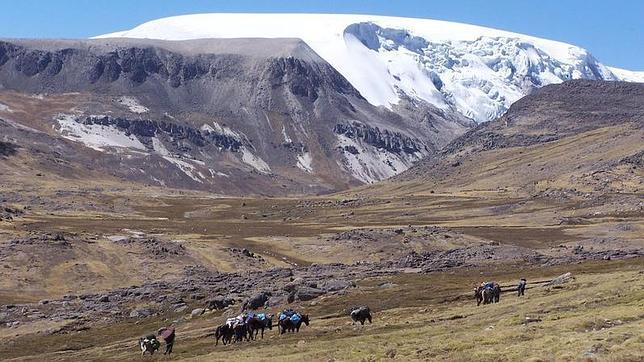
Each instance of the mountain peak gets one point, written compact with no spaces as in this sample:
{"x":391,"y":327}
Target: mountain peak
{"x":476,"y":71}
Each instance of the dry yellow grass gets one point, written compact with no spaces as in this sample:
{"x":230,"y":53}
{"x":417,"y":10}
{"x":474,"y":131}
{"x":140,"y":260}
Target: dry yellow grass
{"x":598,"y":316}
{"x":422,"y":317}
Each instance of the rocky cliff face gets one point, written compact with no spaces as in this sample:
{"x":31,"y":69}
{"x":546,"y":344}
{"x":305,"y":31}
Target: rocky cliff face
{"x":146,"y":129}
{"x":99,"y":65}
{"x":392,"y":142}
{"x":214,"y":112}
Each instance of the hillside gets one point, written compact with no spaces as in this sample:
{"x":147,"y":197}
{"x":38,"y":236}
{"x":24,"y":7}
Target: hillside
{"x":95,"y":265}
{"x":570,"y":139}
{"x":235,"y":116}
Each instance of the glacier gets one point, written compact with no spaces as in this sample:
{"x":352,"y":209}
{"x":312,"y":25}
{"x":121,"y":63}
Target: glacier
{"x":477,"y":71}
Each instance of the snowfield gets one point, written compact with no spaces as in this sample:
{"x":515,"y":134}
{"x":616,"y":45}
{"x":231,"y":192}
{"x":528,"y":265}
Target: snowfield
{"x":132,"y":104}
{"x":5,"y":108}
{"x":304,"y":162}
{"x":254,"y":161}
{"x":96,"y":136}
{"x":111,"y":139}
{"x":628,"y":75}
{"x":287,"y":139}
{"x":475,"y":70}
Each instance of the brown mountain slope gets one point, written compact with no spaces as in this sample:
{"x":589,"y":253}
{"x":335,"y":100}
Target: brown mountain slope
{"x":230,"y":116}
{"x":573,"y":138}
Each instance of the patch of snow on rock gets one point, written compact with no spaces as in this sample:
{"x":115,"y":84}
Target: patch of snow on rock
{"x":96,"y":136}
{"x":254,"y":161}
{"x":160,"y":182}
{"x":304,"y":162}
{"x":217,"y":173}
{"x":207,"y":128}
{"x":5,"y":108}
{"x":287,"y":139}
{"x":132,"y":104}
{"x":370,"y":164}
{"x":224,"y":130}
{"x":182,"y":165}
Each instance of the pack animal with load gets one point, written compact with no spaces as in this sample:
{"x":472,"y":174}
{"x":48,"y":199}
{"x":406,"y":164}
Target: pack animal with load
{"x":361,"y":314}
{"x":487,"y":292}
{"x":149,"y":343}
{"x":291,"y":321}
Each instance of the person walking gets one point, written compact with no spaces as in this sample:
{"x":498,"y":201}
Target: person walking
{"x":521,"y":287}
{"x":168,"y":335}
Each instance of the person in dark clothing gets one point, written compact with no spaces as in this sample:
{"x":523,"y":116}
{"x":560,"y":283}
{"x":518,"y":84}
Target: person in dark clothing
{"x":168,"y":334}
{"x":521,"y":287}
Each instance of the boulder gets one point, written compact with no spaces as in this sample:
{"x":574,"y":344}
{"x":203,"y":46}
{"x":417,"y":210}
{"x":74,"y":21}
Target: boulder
{"x":390,"y":353}
{"x":257,"y":301}
{"x":197,"y":296}
{"x":219,"y":302}
{"x":140,"y":313}
{"x":336,"y":284}
{"x":281,"y":273}
{"x":279,"y":299}
{"x":562,"y":279}
{"x":197,"y":312}
{"x":307,"y":293}
{"x":292,"y":286}
{"x":180,"y":308}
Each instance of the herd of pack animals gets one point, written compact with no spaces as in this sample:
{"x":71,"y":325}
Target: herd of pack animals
{"x":248,"y":325}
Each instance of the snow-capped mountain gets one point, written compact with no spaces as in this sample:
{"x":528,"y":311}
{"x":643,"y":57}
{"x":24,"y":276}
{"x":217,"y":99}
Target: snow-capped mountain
{"x":292,"y":104}
{"x":474,"y":70}
{"x":234,"y":116}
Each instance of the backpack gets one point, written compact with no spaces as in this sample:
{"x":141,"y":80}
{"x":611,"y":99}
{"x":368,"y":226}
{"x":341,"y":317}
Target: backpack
{"x":296,"y":318}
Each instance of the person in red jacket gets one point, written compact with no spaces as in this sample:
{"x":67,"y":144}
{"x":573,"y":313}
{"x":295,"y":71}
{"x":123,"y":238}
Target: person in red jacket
{"x":168,"y":334}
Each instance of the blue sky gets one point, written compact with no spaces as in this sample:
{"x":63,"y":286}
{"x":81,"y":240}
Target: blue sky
{"x":612,"y":30}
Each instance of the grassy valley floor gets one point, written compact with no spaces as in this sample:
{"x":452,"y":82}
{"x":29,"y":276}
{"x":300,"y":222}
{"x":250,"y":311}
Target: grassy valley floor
{"x":597,"y":316}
